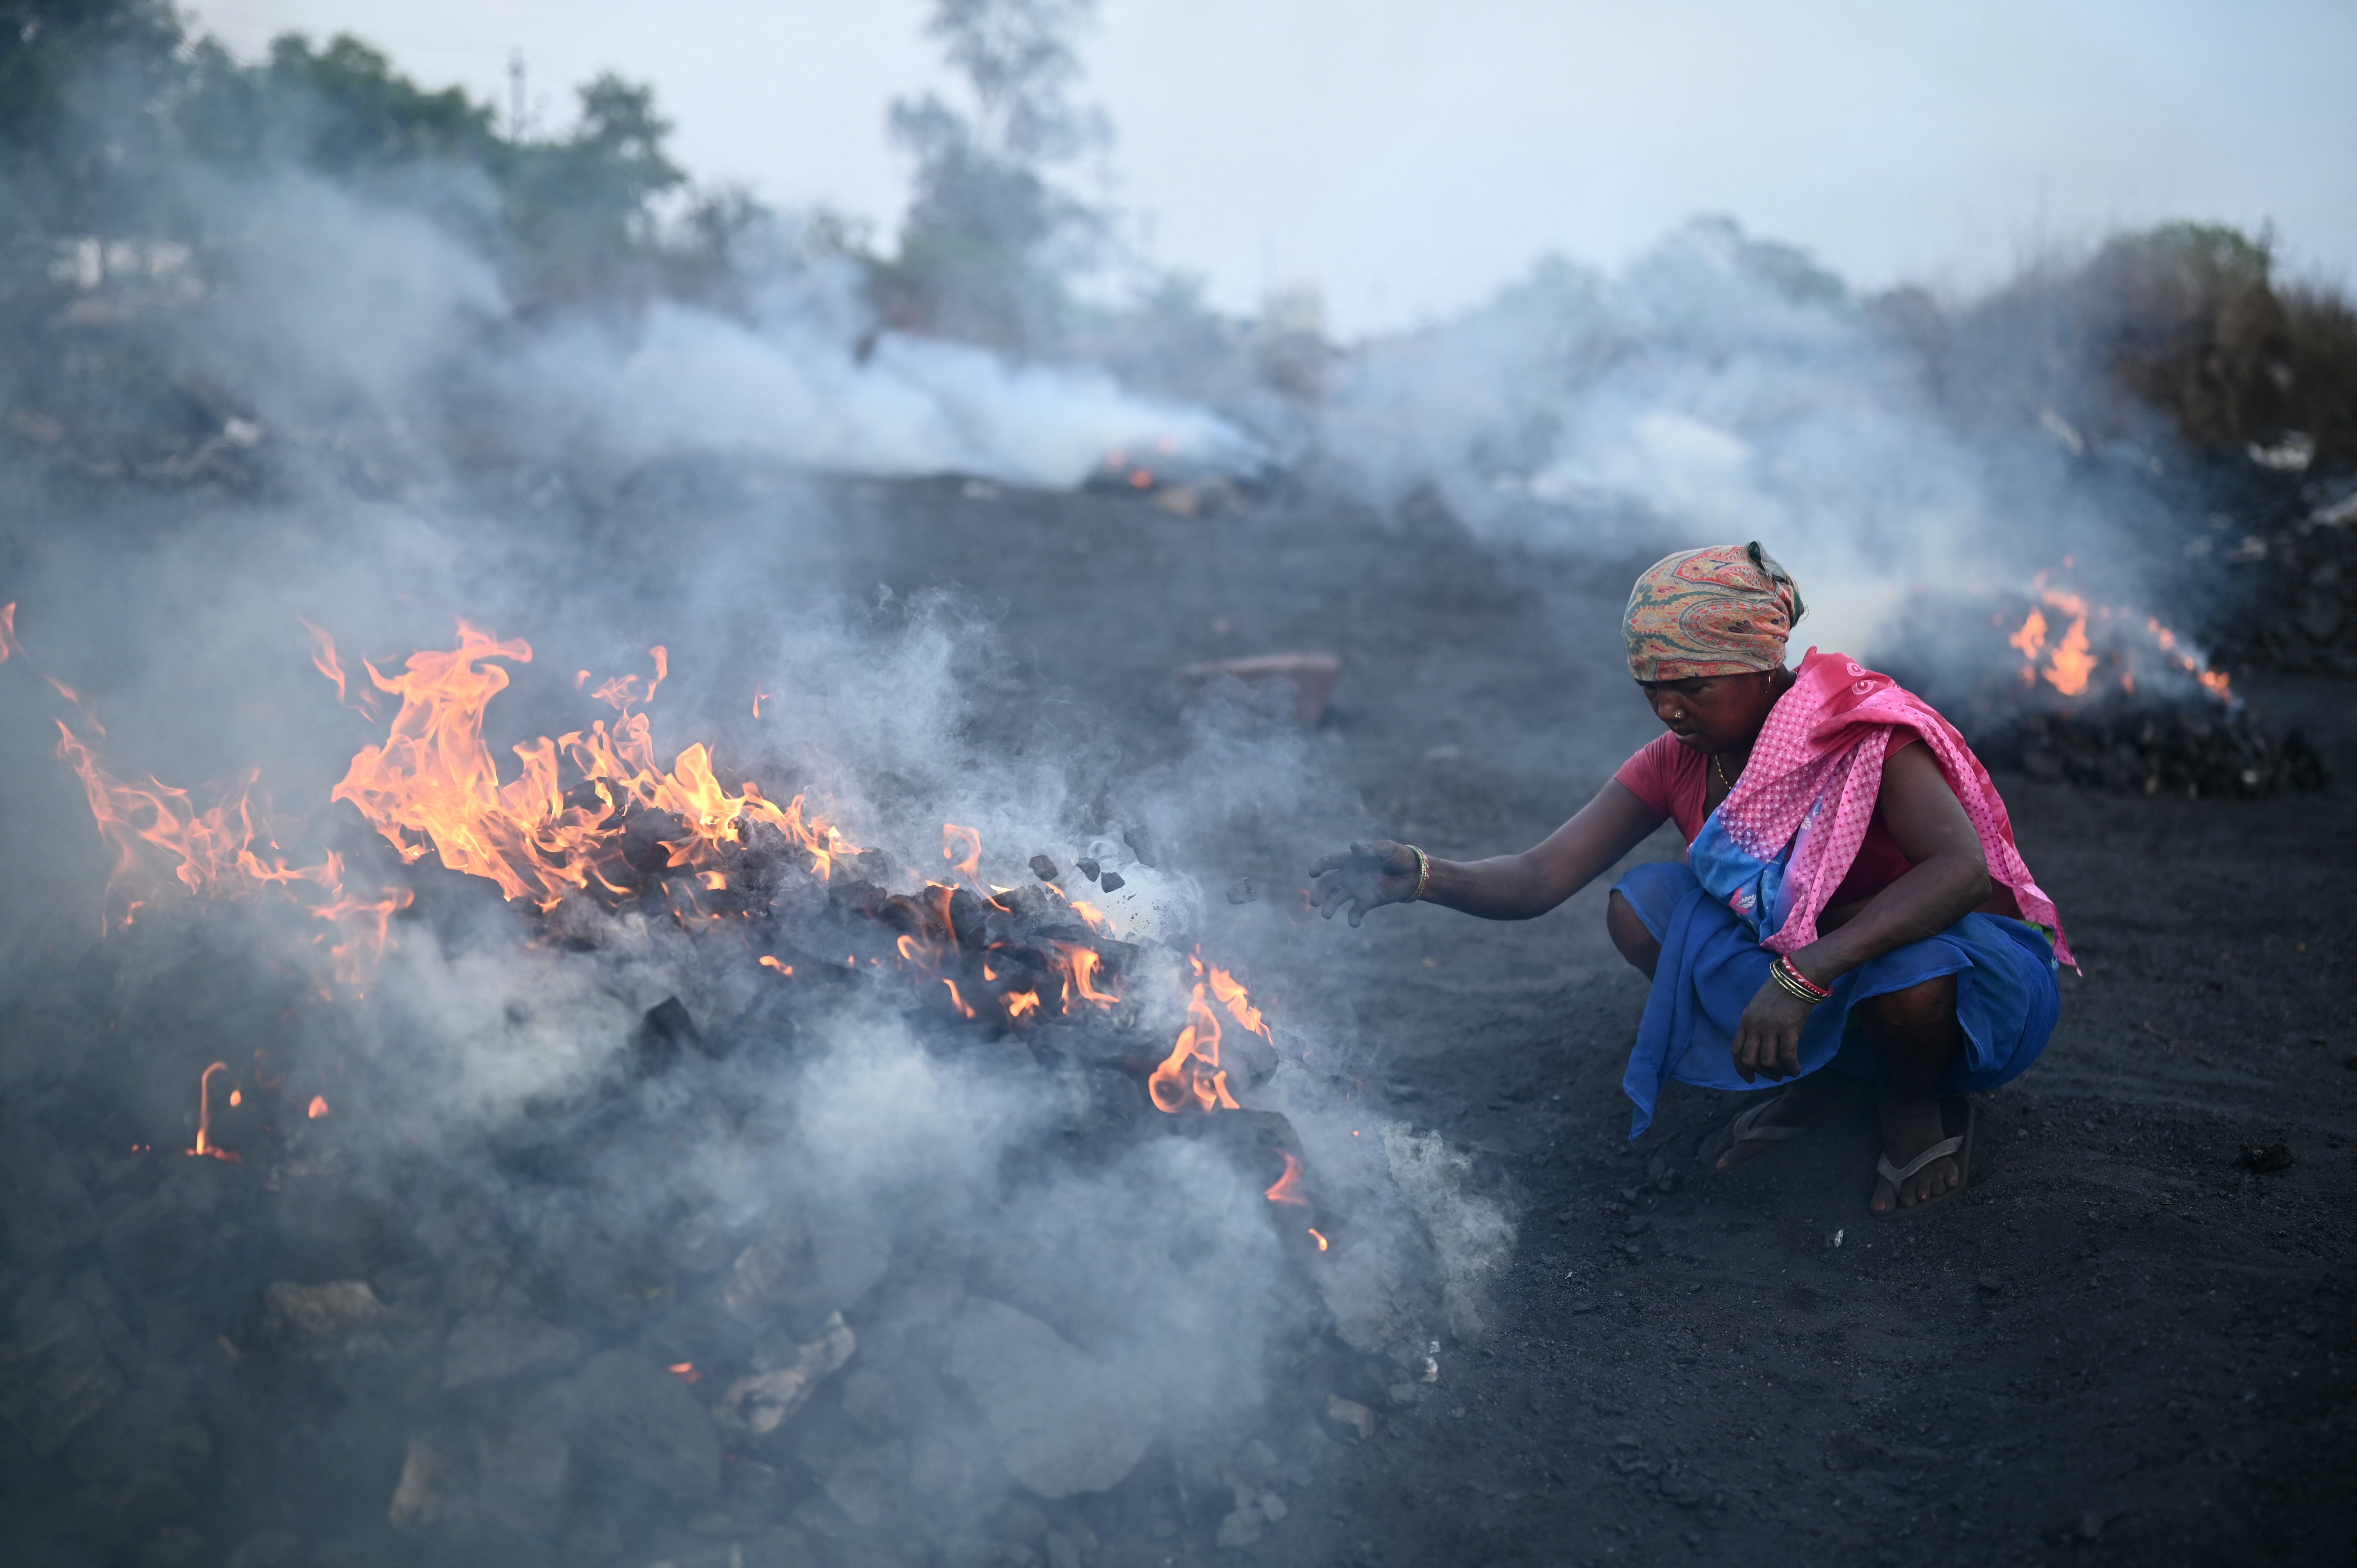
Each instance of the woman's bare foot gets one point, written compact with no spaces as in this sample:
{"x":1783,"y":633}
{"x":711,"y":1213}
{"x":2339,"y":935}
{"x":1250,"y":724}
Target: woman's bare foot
{"x":1809,"y":1101}
{"x":1911,"y":1125}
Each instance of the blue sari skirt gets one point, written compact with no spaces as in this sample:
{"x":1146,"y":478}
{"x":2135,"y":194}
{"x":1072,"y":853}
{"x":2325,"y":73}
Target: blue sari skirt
{"x":1712,"y":966}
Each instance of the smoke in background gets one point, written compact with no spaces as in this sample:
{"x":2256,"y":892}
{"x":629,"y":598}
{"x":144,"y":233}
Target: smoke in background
{"x":1725,"y":389}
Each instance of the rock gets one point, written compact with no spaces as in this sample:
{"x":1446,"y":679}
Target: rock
{"x":761,"y":1402}
{"x":858,"y":1476}
{"x":2269,"y":1157}
{"x":156,"y":1242}
{"x":44,"y":1208}
{"x":486,"y":1346}
{"x":1240,"y":1529}
{"x":1070,"y":1422}
{"x":328,"y":1228}
{"x":1089,"y":868}
{"x":1351,"y":1416}
{"x":640,"y":1424}
{"x":521,"y":1466}
{"x":777,"y":1548}
{"x":1635,"y":1225}
{"x":431,"y":1478}
{"x":174,"y":1546}
{"x":801,"y":1269}
{"x":341,"y":1317}
{"x":54,"y":1376}
{"x":1043,"y":868}
{"x":1112,"y":881}
{"x":1309,"y":676}
{"x":266,"y":1549}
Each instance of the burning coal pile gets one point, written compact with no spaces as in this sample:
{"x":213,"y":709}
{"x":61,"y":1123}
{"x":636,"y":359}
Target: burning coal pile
{"x":2102,"y":696}
{"x":359,"y":1210}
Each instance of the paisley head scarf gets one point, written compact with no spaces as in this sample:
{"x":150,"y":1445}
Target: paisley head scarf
{"x":1721,"y":611}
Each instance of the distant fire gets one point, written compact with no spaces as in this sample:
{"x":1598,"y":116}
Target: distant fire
{"x":2071,"y":661}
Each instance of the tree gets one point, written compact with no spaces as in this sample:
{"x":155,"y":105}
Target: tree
{"x":989,"y":239}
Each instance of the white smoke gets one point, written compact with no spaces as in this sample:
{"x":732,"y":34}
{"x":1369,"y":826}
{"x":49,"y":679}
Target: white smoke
{"x":1719,"y":390}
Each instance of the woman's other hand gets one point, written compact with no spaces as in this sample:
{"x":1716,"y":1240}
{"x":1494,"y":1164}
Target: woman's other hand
{"x":1365,"y":877}
{"x":1768,"y":1039}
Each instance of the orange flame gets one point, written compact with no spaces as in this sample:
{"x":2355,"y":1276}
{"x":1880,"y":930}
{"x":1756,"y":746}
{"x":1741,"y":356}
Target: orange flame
{"x":1287,"y":1187}
{"x":205,"y":1144}
{"x":1319,"y":1239}
{"x":1233,"y":997}
{"x":962,"y":847}
{"x":1079,"y":966}
{"x":433,"y":785}
{"x":965,"y":1009}
{"x":2071,"y":663}
{"x":1192,"y":1074}
{"x":1019,"y":1002}
{"x":2032,"y":635}
{"x":318,"y":1107}
{"x":684,"y":1371}
{"x":769,"y":960}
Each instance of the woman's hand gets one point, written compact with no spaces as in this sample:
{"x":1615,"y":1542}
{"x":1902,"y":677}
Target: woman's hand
{"x":1768,"y":1039}
{"x":1365,"y":877}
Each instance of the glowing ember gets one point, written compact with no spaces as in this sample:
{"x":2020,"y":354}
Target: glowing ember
{"x":318,"y":1107}
{"x":1287,"y":1187}
{"x":769,"y":960}
{"x":1319,"y":1239}
{"x":684,"y":1371}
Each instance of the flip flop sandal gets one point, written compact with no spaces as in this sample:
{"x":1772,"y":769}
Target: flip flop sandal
{"x":1746,"y":1128}
{"x":1953,"y":1109}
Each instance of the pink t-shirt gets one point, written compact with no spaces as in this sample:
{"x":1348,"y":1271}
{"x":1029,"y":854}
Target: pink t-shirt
{"x":1675,"y":779}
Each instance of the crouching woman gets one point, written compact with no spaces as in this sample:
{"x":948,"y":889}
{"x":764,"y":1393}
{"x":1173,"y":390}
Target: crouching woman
{"x":1851,"y":906}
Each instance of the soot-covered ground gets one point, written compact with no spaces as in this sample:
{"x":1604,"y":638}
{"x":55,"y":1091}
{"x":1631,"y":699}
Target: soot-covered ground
{"x":2120,"y":1345}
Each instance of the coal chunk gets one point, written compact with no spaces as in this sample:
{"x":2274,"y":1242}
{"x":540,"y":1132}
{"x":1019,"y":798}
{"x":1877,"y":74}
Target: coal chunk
{"x":1043,"y":868}
{"x":1111,"y":881}
{"x":637,"y":1423}
{"x":663,"y":1034}
{"x":1069,"y":1422}
{"x":54,"y":1375}
{"x":1089,"y":868}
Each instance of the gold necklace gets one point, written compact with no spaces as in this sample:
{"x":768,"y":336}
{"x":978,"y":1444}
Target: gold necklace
{"x":1720,"y":769}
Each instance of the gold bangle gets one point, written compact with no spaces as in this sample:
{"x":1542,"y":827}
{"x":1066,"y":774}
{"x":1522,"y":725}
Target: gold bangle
{"x":1422,"y":873}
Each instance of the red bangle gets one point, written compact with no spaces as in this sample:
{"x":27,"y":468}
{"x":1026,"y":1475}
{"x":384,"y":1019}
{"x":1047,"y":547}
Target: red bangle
{"x":1794,"y":980}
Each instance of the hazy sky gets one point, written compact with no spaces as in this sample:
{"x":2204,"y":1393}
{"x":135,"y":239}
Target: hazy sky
{"x":1410,"y":155}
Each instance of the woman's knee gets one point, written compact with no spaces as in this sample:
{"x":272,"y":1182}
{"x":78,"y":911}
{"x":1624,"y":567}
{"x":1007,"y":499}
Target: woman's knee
{"x":1629,"y":933}
{"x":1928,"y":1004}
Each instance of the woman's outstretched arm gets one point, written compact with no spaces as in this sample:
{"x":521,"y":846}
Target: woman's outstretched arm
{"x":1504,"y":887}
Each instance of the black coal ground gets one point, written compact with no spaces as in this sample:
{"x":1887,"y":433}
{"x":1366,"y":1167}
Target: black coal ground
{"x":2121,"y":1345}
